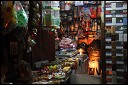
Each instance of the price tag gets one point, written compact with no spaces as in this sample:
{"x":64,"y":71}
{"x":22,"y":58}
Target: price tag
{"x":108,"y":39}
{"x":108,"y":47}
{"x":113,"y":12}
{"x":122,"y":70}
{"x":108,"y":54}
{"x":125,"y":37}
{"x":121,"y":37}
{"x":125,"y":6}
{"x":109,"y":62}
{"x":113,"y":20}
{"x":117,"y":54}
{"x":119,"y":47}
{"x":119,"y":31}
{"x":113,"y":5}
{"x":119,"y":62}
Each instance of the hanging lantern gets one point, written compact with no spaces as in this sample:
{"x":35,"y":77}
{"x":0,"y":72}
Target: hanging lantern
{"x":22,"y":18}
{"x":21,"y":14}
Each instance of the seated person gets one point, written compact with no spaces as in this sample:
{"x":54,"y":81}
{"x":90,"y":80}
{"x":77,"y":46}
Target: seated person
{"x":24,"y":72}
{"x":19,"y":73}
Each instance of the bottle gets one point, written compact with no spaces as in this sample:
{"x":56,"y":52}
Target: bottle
{"x":75,"y":12}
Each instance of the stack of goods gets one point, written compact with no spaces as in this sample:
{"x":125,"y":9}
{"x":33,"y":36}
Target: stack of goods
{"x":51,"y":74}
{"x":66,"y":43}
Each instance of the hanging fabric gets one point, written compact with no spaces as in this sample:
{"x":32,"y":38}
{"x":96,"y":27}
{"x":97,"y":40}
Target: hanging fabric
{"x":8,"y":17}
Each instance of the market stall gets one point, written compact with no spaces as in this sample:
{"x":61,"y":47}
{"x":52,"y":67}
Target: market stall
{"x":52,"y":74}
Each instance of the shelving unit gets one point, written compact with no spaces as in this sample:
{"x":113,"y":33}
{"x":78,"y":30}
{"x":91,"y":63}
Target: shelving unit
{"x":95,"y":19}
{"x":51,"y":15}
{"x":115,"y":41}
{"x":66,"y":16}
{"x":73,"y":17}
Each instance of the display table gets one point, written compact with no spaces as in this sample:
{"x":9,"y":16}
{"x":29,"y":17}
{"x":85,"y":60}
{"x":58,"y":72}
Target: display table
{"x":64,"y":80}
{"x":73,"y":59}
{"x":48,"y":74}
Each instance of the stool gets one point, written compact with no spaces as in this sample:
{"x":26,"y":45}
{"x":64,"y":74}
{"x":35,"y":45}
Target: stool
{"x":91,"y":71}
{"x":93,"y":67}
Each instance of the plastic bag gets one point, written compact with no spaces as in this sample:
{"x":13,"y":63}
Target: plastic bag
{"x":22,"y":17}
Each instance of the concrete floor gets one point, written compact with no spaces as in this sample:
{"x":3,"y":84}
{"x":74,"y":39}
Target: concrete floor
{"x":80,"y":76}
{"x":84,"y":79}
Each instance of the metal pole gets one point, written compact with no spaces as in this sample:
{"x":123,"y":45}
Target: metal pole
{"x":103,"y":60}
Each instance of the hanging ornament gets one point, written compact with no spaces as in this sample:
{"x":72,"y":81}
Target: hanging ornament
{"x":36,"y":5}
{"x":31,"y":41}
{"x":51,"y":31}
{"x":34,"y":34}
{"x":22,"y":18}
{"x":29,"y":49}
{"x":21,"y":15}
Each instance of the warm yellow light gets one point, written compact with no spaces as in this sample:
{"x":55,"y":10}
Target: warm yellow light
{"x":68,"y":2}
{"x":95,"y":65}
{"x":81,"y":51}
{"x":72,"y":27}
{"x":92,"y":64}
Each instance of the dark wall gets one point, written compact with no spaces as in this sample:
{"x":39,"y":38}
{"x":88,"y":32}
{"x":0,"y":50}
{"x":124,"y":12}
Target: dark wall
{"x":45,"y":47}
{"x":48,"y":46}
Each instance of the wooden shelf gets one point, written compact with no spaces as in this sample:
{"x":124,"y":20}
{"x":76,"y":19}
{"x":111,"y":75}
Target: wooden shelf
{"x":75,"y":10}
{"x":115,"y":41}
